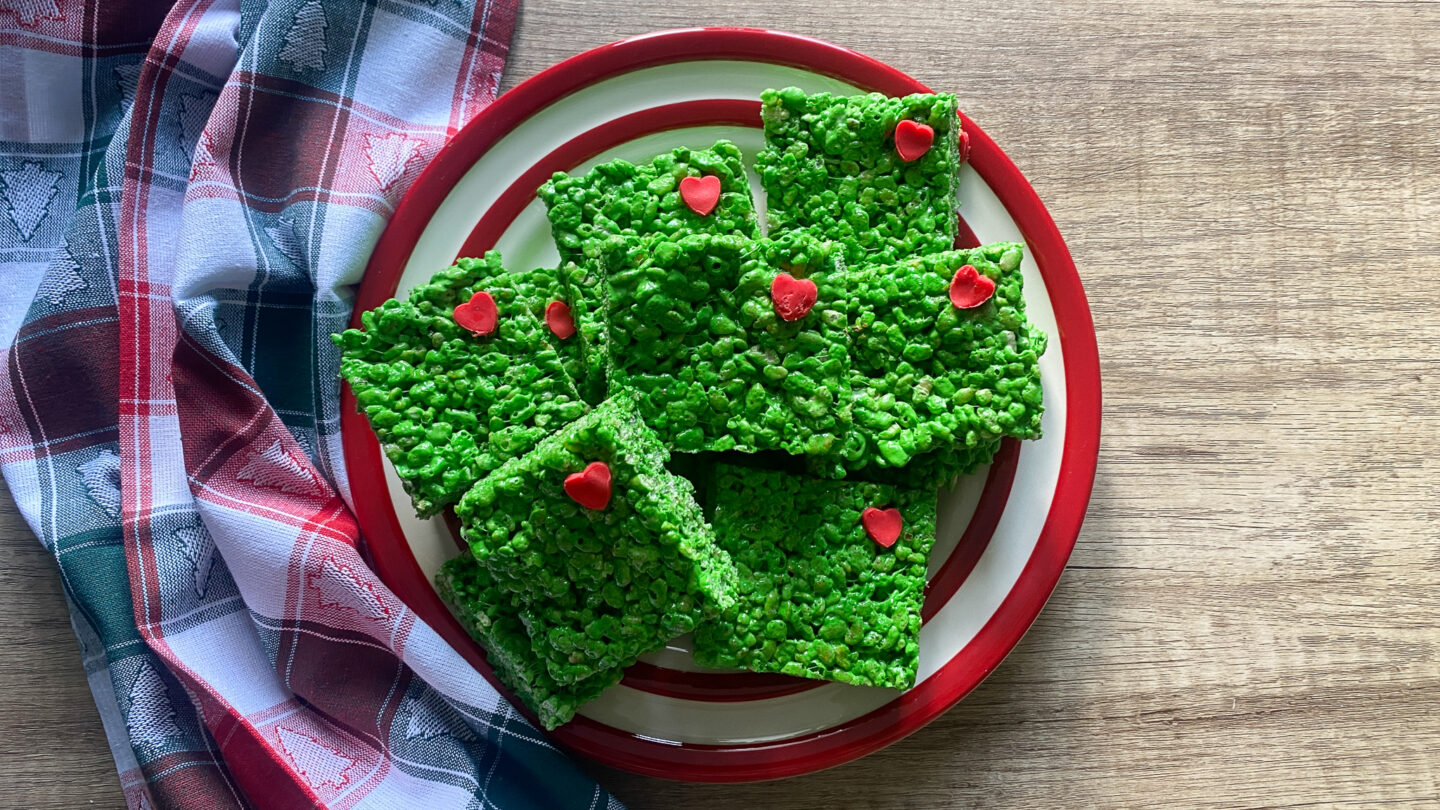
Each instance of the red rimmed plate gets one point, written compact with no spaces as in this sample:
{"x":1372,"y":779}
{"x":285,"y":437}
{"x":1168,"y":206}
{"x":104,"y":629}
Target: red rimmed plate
{"x":1004,"y":533}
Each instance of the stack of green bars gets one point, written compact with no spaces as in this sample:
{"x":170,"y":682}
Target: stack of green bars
{"x":594,"y":586}
{"x":545,"y":406}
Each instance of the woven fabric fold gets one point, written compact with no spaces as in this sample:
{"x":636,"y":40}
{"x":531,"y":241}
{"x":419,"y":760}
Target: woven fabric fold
{"x":187,"y":197}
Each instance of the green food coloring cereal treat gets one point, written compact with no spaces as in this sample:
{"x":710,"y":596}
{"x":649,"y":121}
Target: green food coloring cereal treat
{"x":586,"y":290}
{"x":539,"y":290}
{"x":671,"y":300}
{"x":928,"y":377}
{"x":596,"y":588}
{"x":935,"y":468}
{"x":491,"y":620}
{"x":790,"y":373}
{"x":830,"y":167}
{"x":696,"y":338}
{"x":534,"y":291}
{"x":447,"y":405}
{"x":620,"y":197}
{"x":817,"y":596}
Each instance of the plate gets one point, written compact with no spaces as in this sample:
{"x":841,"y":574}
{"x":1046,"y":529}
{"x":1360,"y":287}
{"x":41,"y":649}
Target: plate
{"x":1004,"y":532}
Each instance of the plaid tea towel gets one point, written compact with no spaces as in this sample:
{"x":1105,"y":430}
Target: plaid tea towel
{"x":188,"y":195}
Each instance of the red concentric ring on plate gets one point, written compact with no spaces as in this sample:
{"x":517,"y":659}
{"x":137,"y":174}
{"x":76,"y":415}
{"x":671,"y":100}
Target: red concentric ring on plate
{"x":730,"y":763}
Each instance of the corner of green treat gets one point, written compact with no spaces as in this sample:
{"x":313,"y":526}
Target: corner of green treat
{"x":533,"y":292}
{"x":585,"y":289}
{"x":493,"y":622}
{"x":927,"y":471}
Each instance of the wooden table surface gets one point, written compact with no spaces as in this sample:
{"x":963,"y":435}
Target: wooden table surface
{"x":1251,"y":617}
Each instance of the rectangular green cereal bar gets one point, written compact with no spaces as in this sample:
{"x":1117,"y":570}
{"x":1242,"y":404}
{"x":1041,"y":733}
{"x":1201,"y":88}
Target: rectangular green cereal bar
{"x":818,"y":597}
{"x":620,"y":197}
{"x":447,"y":404}
{"x":536,"y":291}
{"x":787,"y":372}
{"x":930,"y":378}
{"x":830,"y":167}
{"x":696,"y":337}
{"x":485,"y":613}
{"x":670,"y":301}
{"x":597,"y":585}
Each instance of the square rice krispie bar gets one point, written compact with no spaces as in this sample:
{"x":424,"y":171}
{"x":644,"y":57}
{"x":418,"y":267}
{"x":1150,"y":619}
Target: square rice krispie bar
{"x":830,"y":167}
{"x":450,"y":405}
{"x":936,"y":387}
{"x":620,"y":197}
{"x":597,"y":582}
{"x":818,"y":596}
{"x":697,"y":337}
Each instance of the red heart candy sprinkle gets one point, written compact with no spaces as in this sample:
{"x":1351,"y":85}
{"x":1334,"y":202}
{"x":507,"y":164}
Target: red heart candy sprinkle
{"x":883,"y":525}
{"x":479,"y":314}
{"x":559,"y":319}
{"x":964,"y":146}
{"x":970,"y":289}
{"x":913,"y":139}
{"x":793,"y":297}
{"x":591,"y":488}
{"x":700,"y":193}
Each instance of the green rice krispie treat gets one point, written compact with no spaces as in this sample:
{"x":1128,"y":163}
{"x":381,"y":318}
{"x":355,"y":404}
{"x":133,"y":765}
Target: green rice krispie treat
{"x":585,"y":291}
{"x":539,"y":292}
{"x":730,"y":343}
{"x":455,"y":380}
{"x":942,"y":361}
{"x":935,"y":468}
{"x":670,"y":301}
{"x":874,"y":173}
{"x":681,"y":192}
{"x":620,"y":197}
{"x":604,"y":552}
{"x":832,"y":577}
{"x":491,"y":620}
{"x":791,"y":312}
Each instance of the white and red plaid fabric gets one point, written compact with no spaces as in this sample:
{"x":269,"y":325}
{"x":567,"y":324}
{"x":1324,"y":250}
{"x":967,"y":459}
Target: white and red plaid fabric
{"x":187,"y":196}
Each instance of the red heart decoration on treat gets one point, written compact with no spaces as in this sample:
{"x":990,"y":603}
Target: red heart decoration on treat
{"x":591,"y":488}
{"x":913,"y":139}
{"x":883,"y":525}
{"x":559,"y":319}
{"x":479,"y":314}
{"x":700,"y":193}
{"x":793,"y":297}
{"x":964,"y":146}
{"x":970,"y":289}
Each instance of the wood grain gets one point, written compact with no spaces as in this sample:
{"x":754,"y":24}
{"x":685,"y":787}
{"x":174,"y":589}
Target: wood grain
{"x":53,"y":754}
{"x":1252,"y":616}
